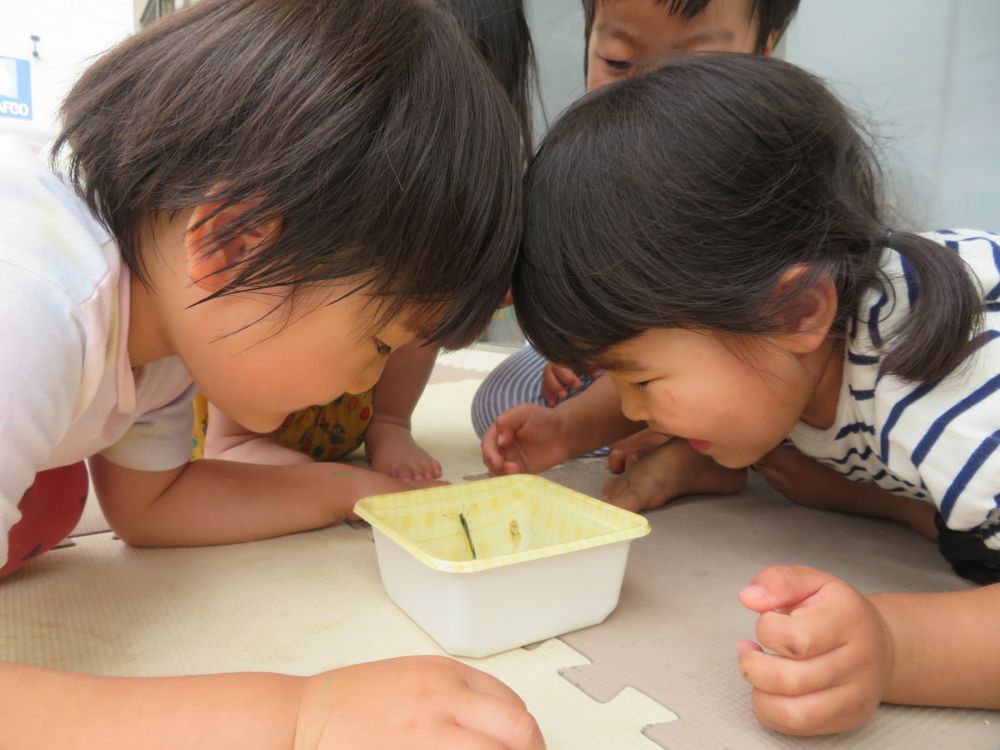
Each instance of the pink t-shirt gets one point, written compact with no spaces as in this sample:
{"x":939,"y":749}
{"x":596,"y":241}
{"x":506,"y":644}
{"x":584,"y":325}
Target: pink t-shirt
{"x":67,"y":389}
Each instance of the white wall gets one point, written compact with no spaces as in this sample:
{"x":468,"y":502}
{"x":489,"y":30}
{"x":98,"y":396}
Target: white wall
{"x":926,"y":73}
{"x":72,"y":33}
{"x":557,"y":31}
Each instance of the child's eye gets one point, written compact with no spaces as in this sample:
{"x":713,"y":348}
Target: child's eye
{"x":383,"y":349}
{"x":640,"y":385}
{"x":619,"y":65}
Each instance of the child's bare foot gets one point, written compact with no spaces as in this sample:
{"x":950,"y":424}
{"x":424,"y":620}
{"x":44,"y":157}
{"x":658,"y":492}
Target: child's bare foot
{"x":672,"y":470}
{"x":391,"y":450}
{"x":627,"y":451}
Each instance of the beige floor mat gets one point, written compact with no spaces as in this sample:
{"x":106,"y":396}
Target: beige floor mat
{"x":660,"y":672}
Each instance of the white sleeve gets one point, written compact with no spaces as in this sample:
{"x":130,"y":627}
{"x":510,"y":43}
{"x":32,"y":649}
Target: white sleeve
{"x":41,"y":367}
{"x":159,"y":440}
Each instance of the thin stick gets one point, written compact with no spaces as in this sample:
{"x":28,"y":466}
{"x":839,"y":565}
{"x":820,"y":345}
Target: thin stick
{"x":468,"y":534}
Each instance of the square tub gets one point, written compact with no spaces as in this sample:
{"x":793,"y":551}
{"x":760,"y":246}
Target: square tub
{"x":492,"y":565}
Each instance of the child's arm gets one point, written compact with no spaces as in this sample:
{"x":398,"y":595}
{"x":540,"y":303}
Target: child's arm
{"x":389,"y":444}
{"x":416,"y":703}
{"x":945,"y":647}
{"x":810,"y":483}
{"x":222,"y":502}
{"x":837,"y":653}
{"x":534,"y":438}
{"x":228,"y":440}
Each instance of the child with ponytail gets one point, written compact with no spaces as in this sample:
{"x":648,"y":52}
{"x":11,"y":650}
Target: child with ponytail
{"x":711,"y":235}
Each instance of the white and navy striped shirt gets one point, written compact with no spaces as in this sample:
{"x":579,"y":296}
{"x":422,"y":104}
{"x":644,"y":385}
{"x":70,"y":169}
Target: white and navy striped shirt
{"x":938,"y":442}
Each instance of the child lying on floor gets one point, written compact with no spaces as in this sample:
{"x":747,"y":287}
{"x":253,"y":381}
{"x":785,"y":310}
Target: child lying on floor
{"x":711,"y":234}
{"x":262,"y":197}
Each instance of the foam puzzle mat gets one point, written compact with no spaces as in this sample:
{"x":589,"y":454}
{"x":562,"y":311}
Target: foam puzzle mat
{"x":659,"y":673}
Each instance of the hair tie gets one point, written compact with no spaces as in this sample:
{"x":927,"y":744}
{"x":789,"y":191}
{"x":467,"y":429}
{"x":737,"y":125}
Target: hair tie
{"x":887,"y":236}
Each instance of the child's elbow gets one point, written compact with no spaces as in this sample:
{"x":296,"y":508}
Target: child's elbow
{"x":135,"y":535}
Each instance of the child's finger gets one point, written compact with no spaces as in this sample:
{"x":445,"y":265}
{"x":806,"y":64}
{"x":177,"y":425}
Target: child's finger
{"x":504,"y":435}
{"x":496,"y":717}
{"x":489,"y":448}
{"x":781,"y":676}
{"x":822,"y":712}
{"x":486,"y":684}
{"x":451,"y":737}
{"x":513,"y":467}
{"x":782,"y":587}
{"x":551,"y":387}
{"x":803,"y":634}
{"x":566,"y":377}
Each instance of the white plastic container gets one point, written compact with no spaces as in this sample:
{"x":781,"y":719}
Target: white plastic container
{"x":546,"y":560}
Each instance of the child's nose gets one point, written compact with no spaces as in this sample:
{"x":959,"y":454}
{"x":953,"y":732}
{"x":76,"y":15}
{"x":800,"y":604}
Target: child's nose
{"x":632,"y":407}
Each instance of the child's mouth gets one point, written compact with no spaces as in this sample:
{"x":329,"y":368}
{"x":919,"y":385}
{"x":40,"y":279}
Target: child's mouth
{"x":701,"y":446}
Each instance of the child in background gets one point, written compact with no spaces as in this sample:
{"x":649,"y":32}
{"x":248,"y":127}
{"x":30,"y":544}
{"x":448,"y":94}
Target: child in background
{"x":267,"y":200}
{"x":711,"y":235}
{"x":381,"y":417}
{"x":624,"y":37}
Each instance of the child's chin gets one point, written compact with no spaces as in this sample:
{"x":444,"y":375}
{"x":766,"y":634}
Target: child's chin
{"x":262,"y":423}
{"x":730,"y":460}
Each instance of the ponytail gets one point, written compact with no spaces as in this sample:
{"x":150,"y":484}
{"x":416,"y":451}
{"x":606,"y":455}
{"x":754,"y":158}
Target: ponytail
{"x":945,"y":311}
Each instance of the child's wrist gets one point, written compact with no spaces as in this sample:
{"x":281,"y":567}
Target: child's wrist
{"x":382,"y":418}
{"x":885,"y":606}
{"x":314,"y":702}
{"x":570,"y":431}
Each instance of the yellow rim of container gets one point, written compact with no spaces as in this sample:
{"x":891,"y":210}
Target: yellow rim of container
{"x":639,"y":527}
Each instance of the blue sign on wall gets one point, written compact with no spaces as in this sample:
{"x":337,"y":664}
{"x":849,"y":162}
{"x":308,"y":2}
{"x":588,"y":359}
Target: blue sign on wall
{"x":15,"y":88}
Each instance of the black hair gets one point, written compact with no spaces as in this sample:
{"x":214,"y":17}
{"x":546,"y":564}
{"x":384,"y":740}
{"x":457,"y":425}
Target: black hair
{"x":372,"y":131}
{"x":771,"y":15}
{"x":677,"y":199}
{"x":500,"y":31}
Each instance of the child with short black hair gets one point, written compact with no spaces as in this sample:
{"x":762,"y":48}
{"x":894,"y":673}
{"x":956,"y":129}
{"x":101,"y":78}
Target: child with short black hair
{"x":380,"y":418}
{"x":265,"y":197}
{"x":712,"y":235}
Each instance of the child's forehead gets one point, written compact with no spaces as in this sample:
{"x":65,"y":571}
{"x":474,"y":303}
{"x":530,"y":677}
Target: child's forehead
{"x":683,"y":8}
{"x":647,"y":31}
{"x":613,"y":16}
{"x":632,"y":355}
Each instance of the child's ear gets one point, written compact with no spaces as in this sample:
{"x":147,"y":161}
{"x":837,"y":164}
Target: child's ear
{"x":772,"y":40}
{"x":210,"y":270}
{"x":812,"y":310}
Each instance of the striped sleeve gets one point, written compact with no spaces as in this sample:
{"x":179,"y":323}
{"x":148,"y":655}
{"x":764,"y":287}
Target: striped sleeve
{"x":950,"y":431}
{"x":516,"y":380}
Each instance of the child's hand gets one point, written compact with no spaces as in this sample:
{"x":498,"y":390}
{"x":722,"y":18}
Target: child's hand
{"x":528,"y":438}
{"x":392,"y":451}
{"x":557,"y":382}
{"x":416,"y":703}
{"x":800,"y":478}
{"x":832,"y":652}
